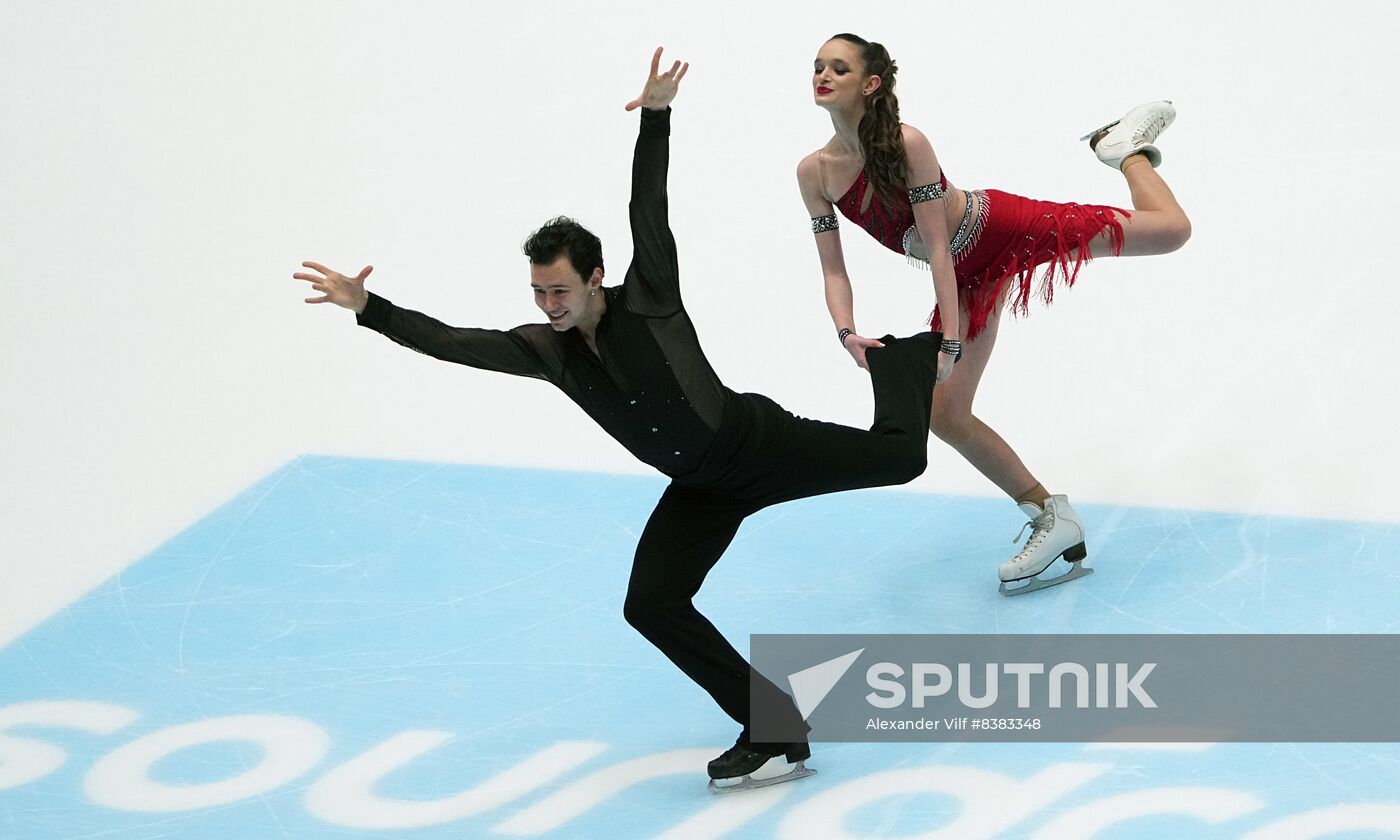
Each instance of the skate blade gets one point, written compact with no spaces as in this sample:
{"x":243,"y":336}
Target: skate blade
{"x":799,"y":771}
{"x":1035,"y":584}
{"x":1100,"y":128}
{"x":1117,"y":121}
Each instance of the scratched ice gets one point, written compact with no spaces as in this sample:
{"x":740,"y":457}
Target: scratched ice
{"x":461,"y":621}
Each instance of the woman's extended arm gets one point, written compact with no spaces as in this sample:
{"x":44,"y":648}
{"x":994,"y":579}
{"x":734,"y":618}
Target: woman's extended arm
{"x":836,"y":283}
{"x":931,"y":219}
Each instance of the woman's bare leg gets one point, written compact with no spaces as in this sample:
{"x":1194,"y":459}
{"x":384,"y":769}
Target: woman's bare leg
{"x":1058,"y":531}
{"x":1158,"y":224}
{"x":953,"y":422}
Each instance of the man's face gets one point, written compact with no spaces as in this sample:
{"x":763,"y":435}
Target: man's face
{"x":560,"y":293}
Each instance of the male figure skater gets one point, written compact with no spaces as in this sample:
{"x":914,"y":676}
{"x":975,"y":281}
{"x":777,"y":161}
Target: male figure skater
{"x":629,"y":356}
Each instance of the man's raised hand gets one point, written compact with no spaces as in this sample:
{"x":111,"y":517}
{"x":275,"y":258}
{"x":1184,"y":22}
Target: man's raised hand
{"x":336,"y":288}
{"x":660,"y":88}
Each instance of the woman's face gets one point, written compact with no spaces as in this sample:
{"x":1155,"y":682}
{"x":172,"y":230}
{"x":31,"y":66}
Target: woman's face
{"x":838,"y":76}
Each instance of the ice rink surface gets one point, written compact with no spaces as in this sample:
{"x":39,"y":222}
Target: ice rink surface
{"x":368,"y":648}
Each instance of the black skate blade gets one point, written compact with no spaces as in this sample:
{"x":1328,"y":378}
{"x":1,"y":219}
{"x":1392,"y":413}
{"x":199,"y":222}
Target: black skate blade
{"x":757,"y":779}
{"x":1028,"y":585}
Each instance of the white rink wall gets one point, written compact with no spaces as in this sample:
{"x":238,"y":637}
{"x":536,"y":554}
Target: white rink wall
{"x":165,"y":166}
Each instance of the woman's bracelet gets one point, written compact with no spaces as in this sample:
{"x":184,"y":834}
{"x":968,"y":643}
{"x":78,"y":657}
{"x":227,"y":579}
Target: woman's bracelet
{"x":952,"y":347}
{"x":843,"y":334}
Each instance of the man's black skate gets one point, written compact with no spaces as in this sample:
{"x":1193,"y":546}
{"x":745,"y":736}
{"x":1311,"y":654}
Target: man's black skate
{"x":746,"y":766}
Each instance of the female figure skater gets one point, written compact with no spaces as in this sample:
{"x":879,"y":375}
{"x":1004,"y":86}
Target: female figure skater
{"x":983,"y":247}
{"x":630,"y":357}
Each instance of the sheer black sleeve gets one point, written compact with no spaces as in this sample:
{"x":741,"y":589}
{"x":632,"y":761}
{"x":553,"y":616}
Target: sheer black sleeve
{"x":653,"y":281}
{"x":514,"y":351}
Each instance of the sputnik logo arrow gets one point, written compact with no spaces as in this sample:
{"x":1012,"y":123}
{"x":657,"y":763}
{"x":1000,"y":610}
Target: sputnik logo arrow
{"x":811,"y":685}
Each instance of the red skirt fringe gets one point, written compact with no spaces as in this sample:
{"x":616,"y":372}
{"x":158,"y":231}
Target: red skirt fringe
{"x":1020,"y":235}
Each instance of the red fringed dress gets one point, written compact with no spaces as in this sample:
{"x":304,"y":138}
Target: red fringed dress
{"x":1002,"y":240}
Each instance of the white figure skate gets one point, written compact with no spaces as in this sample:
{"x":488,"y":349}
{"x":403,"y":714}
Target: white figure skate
{"x":1135,"y":132}
{"x":1056,"y":532}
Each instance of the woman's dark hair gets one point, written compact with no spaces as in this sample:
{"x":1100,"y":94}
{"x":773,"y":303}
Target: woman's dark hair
{"x":880,"y":139}
{"x":562,"y":235}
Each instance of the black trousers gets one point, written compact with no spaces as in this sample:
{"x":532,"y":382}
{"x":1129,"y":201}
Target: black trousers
{"x":763,"y":456}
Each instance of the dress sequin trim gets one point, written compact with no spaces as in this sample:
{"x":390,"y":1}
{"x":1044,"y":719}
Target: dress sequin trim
{"x":822,"y":224}
{"x":968,"y":232}
{"x":967,"y":236}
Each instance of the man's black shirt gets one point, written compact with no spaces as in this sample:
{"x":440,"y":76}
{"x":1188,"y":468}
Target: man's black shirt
{"x":649,"y":385}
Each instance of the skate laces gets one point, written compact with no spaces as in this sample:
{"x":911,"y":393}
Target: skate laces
{"x":1040,"y":527}
{"x":1148,"y":131}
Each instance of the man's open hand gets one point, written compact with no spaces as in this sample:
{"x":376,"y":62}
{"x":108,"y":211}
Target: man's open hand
{"x":660,"y":88}
{"x":336,"y":288}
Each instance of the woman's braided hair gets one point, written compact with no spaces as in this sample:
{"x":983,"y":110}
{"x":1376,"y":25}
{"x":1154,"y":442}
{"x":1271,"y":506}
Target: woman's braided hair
{"x":881,"y":141}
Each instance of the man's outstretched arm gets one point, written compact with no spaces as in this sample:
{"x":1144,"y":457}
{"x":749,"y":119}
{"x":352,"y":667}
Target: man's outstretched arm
{"x":653,"y":281}
{"x":504,"y":351}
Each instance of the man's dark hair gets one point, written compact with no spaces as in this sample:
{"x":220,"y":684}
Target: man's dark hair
{"x":562,"y":235}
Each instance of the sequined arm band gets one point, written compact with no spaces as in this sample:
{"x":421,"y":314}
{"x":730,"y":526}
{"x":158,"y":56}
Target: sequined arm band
{"x":928,"y":192}
{"x":952,"y":347}
{"x":822,"y":224}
